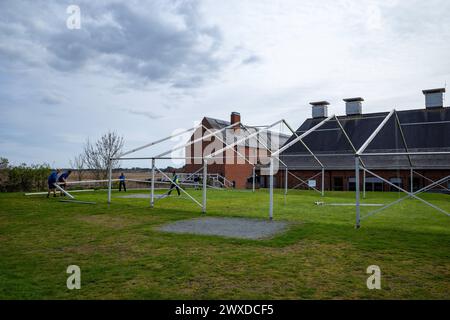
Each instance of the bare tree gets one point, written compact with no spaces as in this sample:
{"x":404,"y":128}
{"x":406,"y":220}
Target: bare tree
{"x":78,"y":164}
{"x":98,"y":154}
{"x":4,"y":163}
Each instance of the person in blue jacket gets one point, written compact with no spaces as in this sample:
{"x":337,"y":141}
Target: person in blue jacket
{"x":62,"y":179}
{"x":52,"y":179}
{"x":122,"y":183}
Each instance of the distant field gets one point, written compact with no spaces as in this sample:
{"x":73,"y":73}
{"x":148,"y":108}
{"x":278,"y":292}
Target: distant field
{"x":321,"y":256}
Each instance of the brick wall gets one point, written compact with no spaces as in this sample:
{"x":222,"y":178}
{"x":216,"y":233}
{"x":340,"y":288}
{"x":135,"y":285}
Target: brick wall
{"x":333,"y":176}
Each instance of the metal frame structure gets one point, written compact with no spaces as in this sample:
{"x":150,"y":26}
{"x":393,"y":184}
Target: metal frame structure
{"x":299,"y":138}
{"x":409,"y":194}
{"x":360,"y":165}
{"x":218,"y":154}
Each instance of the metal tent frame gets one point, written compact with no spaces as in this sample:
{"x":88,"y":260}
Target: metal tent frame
{"x":299,"y":138}
{"x":409,"y":194}
{"x":216,"y":155}
{"x":360,"y":165}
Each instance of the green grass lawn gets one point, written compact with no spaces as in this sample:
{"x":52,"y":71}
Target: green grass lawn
{"x":122,"y":255}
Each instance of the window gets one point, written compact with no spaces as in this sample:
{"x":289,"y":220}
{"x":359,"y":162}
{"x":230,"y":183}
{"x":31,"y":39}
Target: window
{"x":351,"y":184}
{"x":374,"y":184}
{"x":338,"y":183}
{"x":398,"y":182}
{"x":417,"y":183}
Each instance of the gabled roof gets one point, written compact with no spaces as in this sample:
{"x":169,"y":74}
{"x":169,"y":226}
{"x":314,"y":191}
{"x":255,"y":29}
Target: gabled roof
{"x":269,"y":135}
{"x":423,"y":129}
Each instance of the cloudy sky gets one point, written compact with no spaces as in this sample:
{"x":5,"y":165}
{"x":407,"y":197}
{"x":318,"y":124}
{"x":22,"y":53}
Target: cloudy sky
{"x":147,"y":68}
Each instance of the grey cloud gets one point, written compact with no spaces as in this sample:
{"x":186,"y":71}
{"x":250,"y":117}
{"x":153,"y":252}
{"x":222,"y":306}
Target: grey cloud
{"x":147,"y":114}
{"x":166,"y":44}
{"x":252,"y":59}
{"x":52,"y":99}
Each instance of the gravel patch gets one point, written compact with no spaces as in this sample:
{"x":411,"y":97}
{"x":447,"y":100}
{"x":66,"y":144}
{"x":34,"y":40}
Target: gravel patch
{"x":228,"y":227}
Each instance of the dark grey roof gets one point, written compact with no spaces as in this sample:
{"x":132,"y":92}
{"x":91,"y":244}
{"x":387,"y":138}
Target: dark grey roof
{"x":319,"y":103}
{"x":439,"y":90}
{"x":217,"y":123}
{"x":357,"y":99}
{"x":424,"y":130}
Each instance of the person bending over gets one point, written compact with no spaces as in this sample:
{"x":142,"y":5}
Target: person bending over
{"x":62,"y":180}
{"x":52,"y":179}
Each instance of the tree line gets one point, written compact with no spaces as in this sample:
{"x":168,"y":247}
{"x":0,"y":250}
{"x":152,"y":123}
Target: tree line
{"x":94,"y":158}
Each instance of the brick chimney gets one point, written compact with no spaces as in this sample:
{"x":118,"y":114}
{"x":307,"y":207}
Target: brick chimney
{"x":235,"y":118}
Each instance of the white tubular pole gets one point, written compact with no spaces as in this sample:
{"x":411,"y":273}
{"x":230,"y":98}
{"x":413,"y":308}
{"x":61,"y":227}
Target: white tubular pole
{"x":428,"y":179}
{"x":298,"y":138}
{"x":271,"y":190}
{"x":358,"y":216}
{"x":303,"y":143}
{"x":157,"y":141}
{"x":364,"y":184}
{"x":411,"y":183}
{"x":109,"y":181}
{"x":323,"y":182}
{"x":205,"y":177}
{"x":424,"y":153}
{"x":152,"y":193}
{"x":218,"y":152}
{"x":410,"y":194}
{"x":254,"y":177}
{"x":375,"y":133}
{"x":63,"y":191}
{"x":210,"y":135}
{"x":286,"y":181}
{"x":285,"y":184}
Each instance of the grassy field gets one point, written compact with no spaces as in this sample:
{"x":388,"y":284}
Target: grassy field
{"x":122,"y":255}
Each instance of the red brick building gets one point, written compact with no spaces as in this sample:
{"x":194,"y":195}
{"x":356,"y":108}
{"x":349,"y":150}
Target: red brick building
{"x":232,"y":167}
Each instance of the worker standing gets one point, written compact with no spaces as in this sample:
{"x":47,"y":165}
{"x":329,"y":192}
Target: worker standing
{"x":122,"y":183}
{"x":175,"y":183}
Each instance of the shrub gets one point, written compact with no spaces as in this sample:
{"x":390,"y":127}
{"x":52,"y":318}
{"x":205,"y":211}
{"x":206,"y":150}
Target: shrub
{"x":24,"y":178}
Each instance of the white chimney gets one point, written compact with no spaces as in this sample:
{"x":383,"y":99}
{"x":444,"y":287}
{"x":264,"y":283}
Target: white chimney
{"x":353,"y":106}
{"x":320,"y":109}
{"x":434,"y":98}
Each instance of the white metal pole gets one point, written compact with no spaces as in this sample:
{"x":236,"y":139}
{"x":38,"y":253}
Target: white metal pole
{"x":152,"y":194}
{"x":63,"y":191}
{"x":285,"y":185}
{"x":205,"y":177}
{"x":286,"y":181}
{"x":305,"y":134}
{"x":411,"y":183}
{"x":375,"y":133}
{"x":357,"y":191}
{"x":254,"y":176}
{"x":109,"y":181}
{"x":323,"y":182}
{"x":364,"y":184}
{"x":271,"y":189}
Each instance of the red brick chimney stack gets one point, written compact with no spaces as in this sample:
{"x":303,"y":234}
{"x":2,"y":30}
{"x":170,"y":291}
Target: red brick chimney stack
{"x":235,"y":118}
